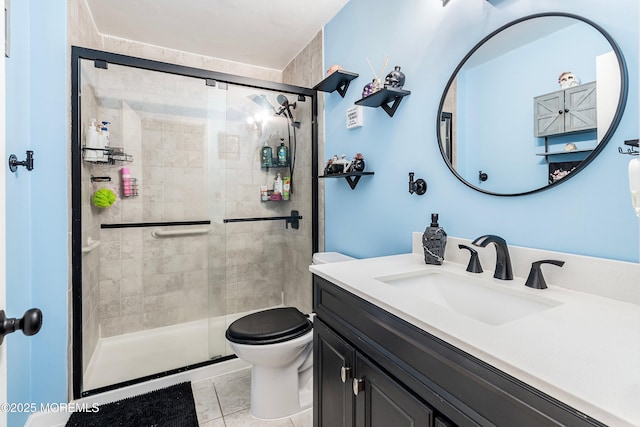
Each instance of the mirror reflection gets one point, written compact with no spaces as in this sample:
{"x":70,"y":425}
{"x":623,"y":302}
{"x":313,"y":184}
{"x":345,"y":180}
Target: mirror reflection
{"x":531,"y":105}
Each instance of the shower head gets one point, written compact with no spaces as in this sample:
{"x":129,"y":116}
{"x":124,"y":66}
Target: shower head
{"x":282,"y":100}
{"x":285,"y":106}
{"x":262,"y":101}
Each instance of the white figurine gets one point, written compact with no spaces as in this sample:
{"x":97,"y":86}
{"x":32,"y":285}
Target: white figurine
{"x":568,"y":79}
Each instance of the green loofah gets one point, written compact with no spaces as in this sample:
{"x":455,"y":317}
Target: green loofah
{"x":104,"y":198}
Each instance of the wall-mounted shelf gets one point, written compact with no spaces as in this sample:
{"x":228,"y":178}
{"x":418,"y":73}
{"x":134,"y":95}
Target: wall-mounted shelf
{"x":270,"y":200}
{"x":105,"y":155}
{"x":351,"y":177}
{"x":383,"y":98}
{"x":274,"y":166}
{"x":631,"y":151}
{"x":554,"y":153}
{"x":338,"y":80}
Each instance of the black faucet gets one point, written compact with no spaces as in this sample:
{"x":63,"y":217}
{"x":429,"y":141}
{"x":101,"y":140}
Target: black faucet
{"x":503,"y":261}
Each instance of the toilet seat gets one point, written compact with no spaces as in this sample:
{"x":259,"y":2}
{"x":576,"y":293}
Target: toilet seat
{"x":269,"y":327}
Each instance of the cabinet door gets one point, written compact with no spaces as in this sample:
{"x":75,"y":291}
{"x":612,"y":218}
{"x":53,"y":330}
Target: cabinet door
{"x":580,"y":108}
{"x":333,"y":364}
{"x":382,"y":402}
{"x":548,"y":113}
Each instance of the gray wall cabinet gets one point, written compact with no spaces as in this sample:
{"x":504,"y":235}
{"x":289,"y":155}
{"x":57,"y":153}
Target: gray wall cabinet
{"x":565,"y":111}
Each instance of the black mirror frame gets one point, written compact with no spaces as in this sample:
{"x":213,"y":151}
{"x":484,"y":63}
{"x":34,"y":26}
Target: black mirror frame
{"x":622,"y":101}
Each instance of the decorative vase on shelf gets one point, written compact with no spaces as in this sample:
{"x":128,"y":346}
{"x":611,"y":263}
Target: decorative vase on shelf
{"x":369,"y":88}
{"x":395,"y":79}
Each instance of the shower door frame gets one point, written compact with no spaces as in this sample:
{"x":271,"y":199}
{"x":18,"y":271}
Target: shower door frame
{"x":102,"y":59}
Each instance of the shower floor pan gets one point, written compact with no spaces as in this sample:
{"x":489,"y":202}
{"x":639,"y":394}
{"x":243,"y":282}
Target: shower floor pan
{"x":127,"y":357}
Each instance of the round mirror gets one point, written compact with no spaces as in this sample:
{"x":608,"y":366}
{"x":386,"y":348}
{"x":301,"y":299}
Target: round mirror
{"x":532,"y":104}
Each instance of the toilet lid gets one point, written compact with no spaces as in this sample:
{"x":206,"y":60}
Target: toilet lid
{"x":269,"y":326}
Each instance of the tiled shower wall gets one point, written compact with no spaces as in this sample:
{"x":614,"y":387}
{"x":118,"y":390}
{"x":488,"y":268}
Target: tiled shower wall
{"x":148,"y":282}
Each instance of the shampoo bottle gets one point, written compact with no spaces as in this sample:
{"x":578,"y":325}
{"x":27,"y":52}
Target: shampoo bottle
{"x":286,"y":188}
{"x":283,"y":155}
{"x":92,"y":135}
{"x":105,"y":135}
{"x":126,"y":182}
{"x":277,"y":185}
{"x":434,"y":241}
{"x":266,"y":156}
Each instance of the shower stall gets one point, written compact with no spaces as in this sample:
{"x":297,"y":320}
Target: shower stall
{"x":176,"y":229}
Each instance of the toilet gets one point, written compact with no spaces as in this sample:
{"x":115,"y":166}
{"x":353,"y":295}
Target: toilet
{"x":278,"y":344}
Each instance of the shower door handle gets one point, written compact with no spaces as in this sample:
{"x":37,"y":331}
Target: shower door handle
{"x":30,"y":323}
{"x":293,"y":219}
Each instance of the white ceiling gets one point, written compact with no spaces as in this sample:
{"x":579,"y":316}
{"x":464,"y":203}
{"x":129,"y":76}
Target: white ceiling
{"x":265,"y":33}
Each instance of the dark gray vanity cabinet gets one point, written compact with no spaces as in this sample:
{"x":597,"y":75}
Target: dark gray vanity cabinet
{"x":566,"y":111}
{"x":350,"y":390}
{"x":334,"y":361}
{"x":372,"y":368}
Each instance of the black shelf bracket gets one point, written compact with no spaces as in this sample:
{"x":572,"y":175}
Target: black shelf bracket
{"x":342,"y":90}
{"x":353,"y":181}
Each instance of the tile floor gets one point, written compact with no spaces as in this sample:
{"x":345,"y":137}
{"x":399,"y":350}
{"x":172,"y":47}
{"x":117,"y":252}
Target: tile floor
{"x":223,"y":401}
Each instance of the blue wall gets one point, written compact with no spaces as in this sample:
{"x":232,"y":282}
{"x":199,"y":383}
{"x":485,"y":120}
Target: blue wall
{"x":589,"y":214}
{"x":37,"y":205}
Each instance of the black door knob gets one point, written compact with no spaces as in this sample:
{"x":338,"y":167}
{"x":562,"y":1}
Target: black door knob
{"x":30,"y":323}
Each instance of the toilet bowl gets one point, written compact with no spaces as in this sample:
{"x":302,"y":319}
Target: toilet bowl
{"x":278,"y":344}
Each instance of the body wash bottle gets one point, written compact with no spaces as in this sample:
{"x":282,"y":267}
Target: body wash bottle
{"x":434,"y":241}
{"x":283,"y":155}
{"x":266,"y":156}
{"x":277,"y":185}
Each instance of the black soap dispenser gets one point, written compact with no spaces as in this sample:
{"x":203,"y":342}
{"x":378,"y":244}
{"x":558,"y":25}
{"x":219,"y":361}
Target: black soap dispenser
{"x":434,"y":241}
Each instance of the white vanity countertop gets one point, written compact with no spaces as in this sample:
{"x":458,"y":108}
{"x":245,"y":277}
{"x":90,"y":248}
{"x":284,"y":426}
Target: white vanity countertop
{"x":584,"y":352}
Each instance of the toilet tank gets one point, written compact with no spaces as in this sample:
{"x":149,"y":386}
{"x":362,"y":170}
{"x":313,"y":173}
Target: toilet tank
{"x":328,"y":257}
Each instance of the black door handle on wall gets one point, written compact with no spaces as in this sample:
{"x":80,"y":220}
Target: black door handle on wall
{"x":30,"y":323}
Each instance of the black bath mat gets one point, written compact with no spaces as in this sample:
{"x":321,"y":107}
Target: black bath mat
{"x":168,"y":407}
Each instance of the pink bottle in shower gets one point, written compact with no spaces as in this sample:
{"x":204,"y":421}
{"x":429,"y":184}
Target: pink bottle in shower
{"x":126,"y":182}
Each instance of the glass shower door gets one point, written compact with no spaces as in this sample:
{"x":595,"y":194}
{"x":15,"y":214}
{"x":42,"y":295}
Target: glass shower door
{"x":147,"y":282}
{"x":267,"y":259}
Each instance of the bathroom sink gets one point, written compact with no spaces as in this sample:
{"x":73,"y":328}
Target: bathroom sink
{"x":480,"y":299}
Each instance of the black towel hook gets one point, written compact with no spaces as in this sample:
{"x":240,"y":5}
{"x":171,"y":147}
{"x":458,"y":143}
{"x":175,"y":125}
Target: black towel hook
{"x":14,"y":163}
